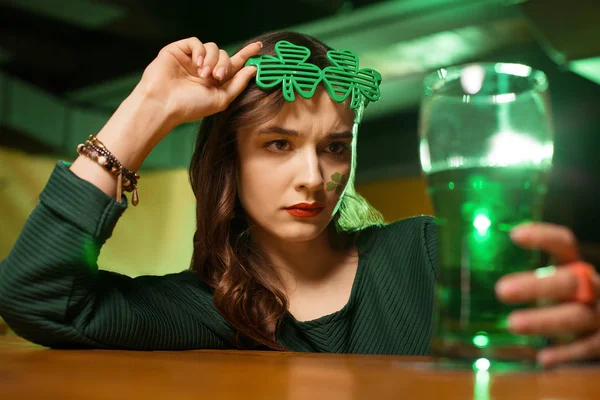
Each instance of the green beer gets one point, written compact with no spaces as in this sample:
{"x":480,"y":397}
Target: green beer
{"x":486,"y":149}
{"x":475,"y":210}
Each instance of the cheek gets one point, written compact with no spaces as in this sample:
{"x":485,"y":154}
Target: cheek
{"x":338,"y":168}
{"x":257,"y":184}
{"x":335,"y":176}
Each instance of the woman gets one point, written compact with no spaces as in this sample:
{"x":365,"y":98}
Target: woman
{"x":286,"y":255}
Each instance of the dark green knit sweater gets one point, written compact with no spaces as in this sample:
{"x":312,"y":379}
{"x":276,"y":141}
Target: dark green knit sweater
{"x":52,"y":292}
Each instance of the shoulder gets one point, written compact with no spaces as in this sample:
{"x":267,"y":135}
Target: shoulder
{"x":409,"y":225}
{"x":418,"y":227}
{"x":413,"y":238}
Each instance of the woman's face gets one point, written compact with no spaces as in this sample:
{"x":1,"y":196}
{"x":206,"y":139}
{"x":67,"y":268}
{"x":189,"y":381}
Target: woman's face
{"x":299,"y":159}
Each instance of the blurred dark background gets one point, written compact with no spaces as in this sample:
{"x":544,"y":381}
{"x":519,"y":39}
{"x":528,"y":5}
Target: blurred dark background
{"x":66,"y":64}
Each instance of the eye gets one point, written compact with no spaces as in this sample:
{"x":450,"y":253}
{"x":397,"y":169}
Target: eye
{"x":278,"y":145}
{"x":337,"y":148}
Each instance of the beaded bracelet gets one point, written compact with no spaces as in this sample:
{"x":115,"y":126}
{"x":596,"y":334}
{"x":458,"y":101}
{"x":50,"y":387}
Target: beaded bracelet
{"x":126,"y":179}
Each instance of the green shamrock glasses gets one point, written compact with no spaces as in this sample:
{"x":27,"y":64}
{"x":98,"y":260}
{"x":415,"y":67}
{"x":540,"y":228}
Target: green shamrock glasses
{"x":341,"y":80}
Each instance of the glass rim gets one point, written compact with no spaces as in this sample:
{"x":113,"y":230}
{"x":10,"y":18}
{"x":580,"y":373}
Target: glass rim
{"x":435,"y":80}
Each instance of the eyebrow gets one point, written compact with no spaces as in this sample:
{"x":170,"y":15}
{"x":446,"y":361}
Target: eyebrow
{"x":295,"y":133}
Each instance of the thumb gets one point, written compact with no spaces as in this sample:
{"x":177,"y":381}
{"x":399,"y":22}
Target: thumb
{"x":238,"y":83}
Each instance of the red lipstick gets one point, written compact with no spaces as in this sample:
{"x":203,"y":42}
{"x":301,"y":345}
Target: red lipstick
{"x":305,"y":210}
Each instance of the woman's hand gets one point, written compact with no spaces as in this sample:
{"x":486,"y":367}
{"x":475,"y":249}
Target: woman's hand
{"x":194,"y":79}
{"x":188,"y":80}
{"x":564,"y":316}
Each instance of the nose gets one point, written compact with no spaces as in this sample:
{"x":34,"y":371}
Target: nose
{"x":309,"y":176}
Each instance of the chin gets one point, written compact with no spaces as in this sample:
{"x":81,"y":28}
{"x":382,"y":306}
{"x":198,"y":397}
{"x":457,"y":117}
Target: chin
{"x":297,"y":231}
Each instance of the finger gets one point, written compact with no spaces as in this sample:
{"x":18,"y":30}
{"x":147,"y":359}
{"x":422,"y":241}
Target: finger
{"x":567,"y":318}
{"x":558,"y":241}
{"x":210,"y":59}
{"x":240,"y":58}
{"x":223,"y":67}
{"x":193,"y":47}
{"x":188,"y":52}
{"x":582,"y":349}
{"x":198,"y":53}
{"x":522,"y":287}
{"x":237,"y":84}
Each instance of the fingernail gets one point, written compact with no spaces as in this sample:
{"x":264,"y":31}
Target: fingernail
{"x":505,"y":288}
{"x":260,"y":44}
{"x":516,"y":323}
{"x":205,"y":72}
{"x":200,"y":61}
{"x":220,"y":73}
{"x":519,"y":233}
{"x":544,"y":272}
{"x":501,"y":287}
{"x":545,"y":358}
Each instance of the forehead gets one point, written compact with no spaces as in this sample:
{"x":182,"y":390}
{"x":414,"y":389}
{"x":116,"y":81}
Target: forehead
{"x":318,"y":111}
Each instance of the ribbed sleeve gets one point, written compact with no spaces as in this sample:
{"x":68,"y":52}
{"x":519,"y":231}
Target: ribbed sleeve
{"x":52,"y":293}
{"x":80,"y":203}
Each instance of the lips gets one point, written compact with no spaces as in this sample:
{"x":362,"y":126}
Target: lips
{"x":305,"y":210}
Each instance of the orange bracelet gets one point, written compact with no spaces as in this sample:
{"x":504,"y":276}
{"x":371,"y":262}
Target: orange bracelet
{"x":586,"y":291}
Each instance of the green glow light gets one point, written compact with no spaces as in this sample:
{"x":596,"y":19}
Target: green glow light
{"x":482,"y":386}
{"x":512,"y":148}
{"x":481,"y":341}
{"x":589,"y":68}
{"x":477,"y":182}
{"x":482,"y":223}
{"x":504,"y":98}
{"x":482,"y":364}
{"x":513,"y":69}
{"x":451,"y":185}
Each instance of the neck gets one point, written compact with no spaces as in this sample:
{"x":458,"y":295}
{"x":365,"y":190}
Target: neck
{"x":306,"y":263}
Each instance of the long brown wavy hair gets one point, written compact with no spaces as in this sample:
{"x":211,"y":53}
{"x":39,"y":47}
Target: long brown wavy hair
{"x":245,"y":286}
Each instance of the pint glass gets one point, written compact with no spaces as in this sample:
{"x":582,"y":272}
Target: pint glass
{"x":486,"y":149}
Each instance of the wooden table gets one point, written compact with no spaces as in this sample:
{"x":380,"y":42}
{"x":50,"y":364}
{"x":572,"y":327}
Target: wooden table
{"x":28,"y":372}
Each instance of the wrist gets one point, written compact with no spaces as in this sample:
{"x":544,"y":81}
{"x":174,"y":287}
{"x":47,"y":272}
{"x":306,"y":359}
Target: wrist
{"x":135,"y":128}
{"x":144,"y":99}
